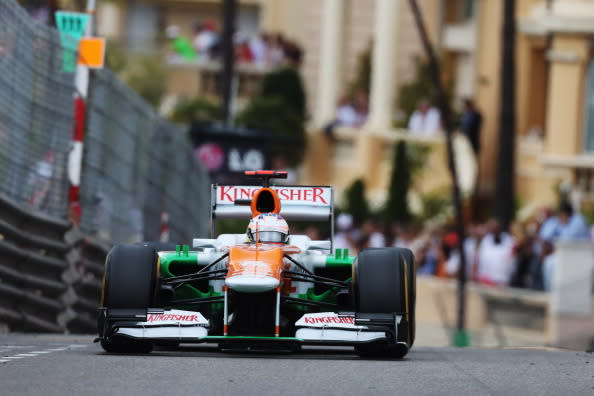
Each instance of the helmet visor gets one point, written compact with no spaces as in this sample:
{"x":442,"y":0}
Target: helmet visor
{"x":271,"y":236}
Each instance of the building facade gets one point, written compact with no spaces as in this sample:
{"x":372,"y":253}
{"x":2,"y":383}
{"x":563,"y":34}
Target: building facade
{"x":554,"y":78}
{"x":554,"y":73}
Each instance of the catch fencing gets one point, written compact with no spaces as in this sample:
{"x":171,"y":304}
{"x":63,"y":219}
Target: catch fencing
{"x":139,"y":175}
{"x":36,"y":113}
{"x":139,"y":181}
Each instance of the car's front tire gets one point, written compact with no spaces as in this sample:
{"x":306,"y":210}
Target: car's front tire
{"x":129,"y":282}
{"x":384,"y":283}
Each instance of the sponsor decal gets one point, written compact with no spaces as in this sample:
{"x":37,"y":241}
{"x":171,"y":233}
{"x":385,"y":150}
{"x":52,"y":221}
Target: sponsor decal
{"x":328,"y":319}
{"x":166,"y":317}
{"x":176,"y":318}
{"x":288,"y":195}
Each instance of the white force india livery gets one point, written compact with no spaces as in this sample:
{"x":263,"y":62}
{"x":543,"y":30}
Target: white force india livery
{"x":265,"y":288}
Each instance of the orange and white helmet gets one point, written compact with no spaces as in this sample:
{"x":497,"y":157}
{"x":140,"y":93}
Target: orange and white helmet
{"x":268,"y":228}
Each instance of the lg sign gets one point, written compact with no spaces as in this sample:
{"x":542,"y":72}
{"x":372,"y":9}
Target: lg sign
{"x":218,"y":158}
{"x":250,"y":160}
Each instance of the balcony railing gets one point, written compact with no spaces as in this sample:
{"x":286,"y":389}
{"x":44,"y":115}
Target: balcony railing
{"x":207,"y":78}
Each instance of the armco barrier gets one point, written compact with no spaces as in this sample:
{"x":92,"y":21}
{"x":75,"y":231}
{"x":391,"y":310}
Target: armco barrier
{"x":32,"y":261}
{"x":83,"y":278}
{"x":50,"y":273}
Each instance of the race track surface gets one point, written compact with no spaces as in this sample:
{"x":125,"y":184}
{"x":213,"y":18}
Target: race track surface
{"x":73,"y":365}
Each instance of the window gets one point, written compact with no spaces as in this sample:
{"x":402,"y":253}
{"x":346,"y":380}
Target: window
{"x":143,"y":24}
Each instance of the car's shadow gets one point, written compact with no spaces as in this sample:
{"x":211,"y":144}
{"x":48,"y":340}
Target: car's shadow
{"x":212,"y":351}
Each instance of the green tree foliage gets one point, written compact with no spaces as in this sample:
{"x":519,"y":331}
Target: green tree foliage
{"x":146,"y":76}
{"x":116,"y":58}
{"x":362,"y":79}
{"x":280,"y":110}
{"x":355,"y":202}
{"x":195,"y":109}
{"x":143,"y":73}
{"x":397,"y":208}
{"x":273,"y":115}
{"x":436,"y":204}
{"x":286,"y":84}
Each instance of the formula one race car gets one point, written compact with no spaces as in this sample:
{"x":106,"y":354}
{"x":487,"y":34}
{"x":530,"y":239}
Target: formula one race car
{"x":262,"y":290}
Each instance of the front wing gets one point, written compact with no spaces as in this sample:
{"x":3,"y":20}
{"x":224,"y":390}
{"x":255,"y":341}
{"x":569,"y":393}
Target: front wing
{"x":325,"y":328}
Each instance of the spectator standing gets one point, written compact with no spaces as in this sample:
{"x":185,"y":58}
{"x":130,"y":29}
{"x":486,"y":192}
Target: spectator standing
{"x":523,"y":256}
{"x":495,"y":257}
{"x":40,"y":181}
{"x":567,"y":225}
{"x":181,"y":47}
{"x":276,"y":50}
{"x":205,"y":39}
{"x":346,"y":115}
{"x":243,"y":53}
{"x":372,"y":229}
{"x":361,"y":108}
{"x":342,"y":238}
{"x":425,"y":121}
{"x":293,"y":54}
{"x":470,"y":124}
{"x":259,"y":49}
{"x":471,"y":243}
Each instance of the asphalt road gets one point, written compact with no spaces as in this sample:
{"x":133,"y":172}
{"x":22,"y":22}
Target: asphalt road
{"x":72,"y":365}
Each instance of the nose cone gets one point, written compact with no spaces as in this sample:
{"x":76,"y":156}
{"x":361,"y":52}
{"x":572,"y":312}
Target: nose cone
{"x":251,"y":283}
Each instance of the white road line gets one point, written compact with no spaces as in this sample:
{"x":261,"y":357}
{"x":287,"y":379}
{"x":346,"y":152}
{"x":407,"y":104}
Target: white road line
{"x":6,"y":359}
{"x":19,"y":346}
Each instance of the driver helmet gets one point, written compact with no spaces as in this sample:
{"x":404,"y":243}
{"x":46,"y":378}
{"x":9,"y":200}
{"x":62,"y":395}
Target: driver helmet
{"x":268,"y":228}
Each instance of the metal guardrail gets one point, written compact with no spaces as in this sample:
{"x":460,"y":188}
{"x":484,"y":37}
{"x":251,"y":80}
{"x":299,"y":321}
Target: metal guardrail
{"x":50,"y":273}
{"x":32,"y":261}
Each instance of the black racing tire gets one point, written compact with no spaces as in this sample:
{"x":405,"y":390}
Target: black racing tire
{"x":130,"y":282}
{"x":384,"y":282}
{"x":130,"y":278}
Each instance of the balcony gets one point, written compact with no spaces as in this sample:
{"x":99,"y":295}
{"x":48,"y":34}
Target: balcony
{"x":203,"y":78}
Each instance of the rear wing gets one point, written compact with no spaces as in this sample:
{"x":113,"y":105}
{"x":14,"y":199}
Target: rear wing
{"x":304,"y":203}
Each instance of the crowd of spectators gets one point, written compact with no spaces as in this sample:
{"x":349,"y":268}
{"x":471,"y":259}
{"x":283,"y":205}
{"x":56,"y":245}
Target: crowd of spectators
{"x":522,"y":257}
{"x":260,"y":49}
{"x":352,"y":111}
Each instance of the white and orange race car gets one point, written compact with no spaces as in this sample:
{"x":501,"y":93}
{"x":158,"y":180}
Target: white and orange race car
{"x":263,"y":289}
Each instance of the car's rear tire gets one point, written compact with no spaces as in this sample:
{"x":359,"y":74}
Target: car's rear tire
{"x":130,"y":282}
{"x":384,"y":282}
